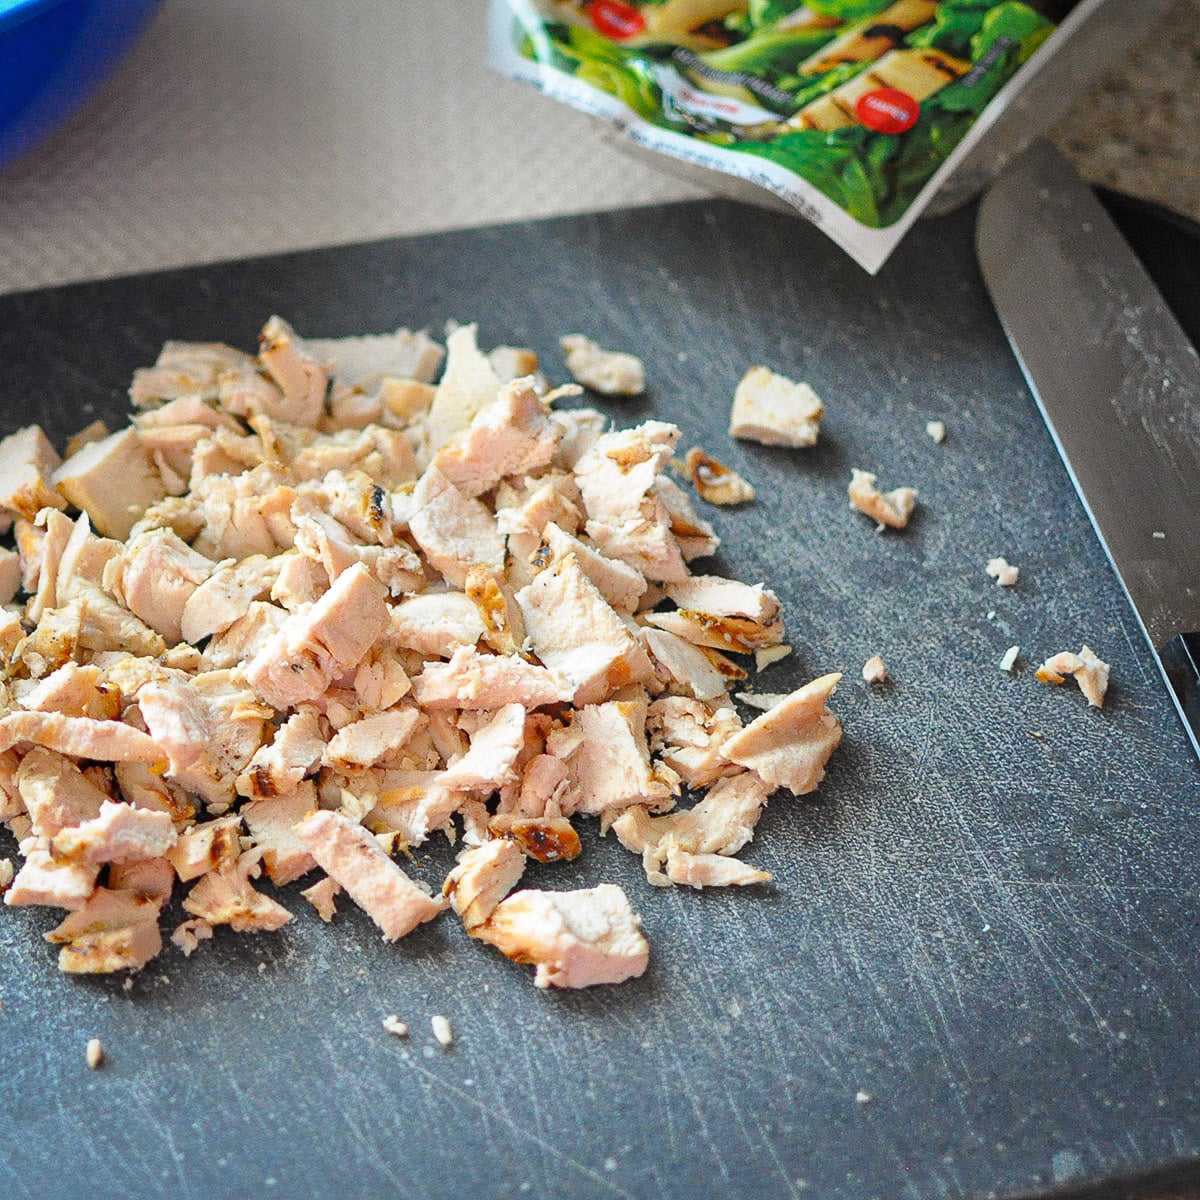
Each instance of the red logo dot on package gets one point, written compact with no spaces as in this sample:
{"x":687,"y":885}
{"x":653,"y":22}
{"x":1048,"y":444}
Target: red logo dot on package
{"x":616,"y":20}
{"x":887,"y":110}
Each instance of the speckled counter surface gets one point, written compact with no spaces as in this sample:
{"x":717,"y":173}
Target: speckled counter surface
{"x":1138,"y":130}
{"x":248,"y":128}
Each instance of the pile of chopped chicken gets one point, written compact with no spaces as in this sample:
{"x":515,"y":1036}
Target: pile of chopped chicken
{"x":310,"y":608}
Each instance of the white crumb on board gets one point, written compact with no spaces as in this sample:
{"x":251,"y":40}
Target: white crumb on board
{"x":936,"y":430}
{"x":395,"y":1026}
{"x":94,"y":1053}
{"x":442,"y":1030}
{"x":1010,"y":658}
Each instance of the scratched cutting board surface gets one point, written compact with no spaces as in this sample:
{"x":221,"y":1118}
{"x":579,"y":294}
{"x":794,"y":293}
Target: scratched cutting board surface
{"x":976,"y":972}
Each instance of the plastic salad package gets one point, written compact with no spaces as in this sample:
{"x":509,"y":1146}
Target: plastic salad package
{"x":856,"y":113}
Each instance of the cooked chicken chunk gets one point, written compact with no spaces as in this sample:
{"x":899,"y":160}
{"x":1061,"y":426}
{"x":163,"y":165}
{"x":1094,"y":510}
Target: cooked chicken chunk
{"x":609,"y":372}
{"x":484,"y":875}
{"x":352,"y":857}
{"x":887,"y":508}
{"x":789,"y":746}
{"x":1002,"y":571}
{"x":774,"y":410}
{"x":575,"y":939}
{"x":27,"y":465}
{"x":714,"y":481}
{"x":1090,"y":672}
{"x":113,"y":931}
{"x":114,"y":481}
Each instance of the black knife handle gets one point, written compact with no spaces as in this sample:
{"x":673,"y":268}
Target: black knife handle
{"x":1180,"y":658}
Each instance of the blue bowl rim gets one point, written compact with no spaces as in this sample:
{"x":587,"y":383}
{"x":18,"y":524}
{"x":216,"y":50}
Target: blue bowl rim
{"x":14,"y":12}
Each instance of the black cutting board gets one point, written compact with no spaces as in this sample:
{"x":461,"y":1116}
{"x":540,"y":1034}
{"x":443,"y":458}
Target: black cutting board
{"x":977,"y":971}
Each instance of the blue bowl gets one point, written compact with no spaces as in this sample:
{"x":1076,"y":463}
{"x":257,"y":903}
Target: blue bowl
{"x":53,"y":56}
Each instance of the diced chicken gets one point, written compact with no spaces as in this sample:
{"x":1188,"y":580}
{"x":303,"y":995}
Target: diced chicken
{"x":244,"y":514}
{"x":575,"y":939}
{"x":384,"y":455}
{"x":608,"y":760}
{"x":412,"y":804}
{"x":114,"y":481}
{"x":43,"y":879}
{"x":436,"y":623}
{"x":6,"y":874}
{"x":684,"y":666}
{"x":10,"y":575}
{"x":317,"y":644}
{"x":719,"y":824}
{"x":80,"y":737}
{"x":113,"y":931}
{"x":359,"y":361}
{"x":208,"y":726}
{"x":155,"y":576}
{"x":712,"y":870}
{"x":120,"y":833}
{"x":301,"y":581}
{"x":511,"y":436}
{"x":208,"y":847}
{"x":888,"y":508}
{"x":272,"y":822}
{"x":380,"y":680}
{"x":515,"y":362}
{"x":545,"y":838}
{"x":581,"y":429}
{"x":27,"y":465}
{"x":695,"y":537}
{"x":789,"y":746}
{"x":74,"y":691}
{"x":299,"y":374}
{"x":225,"y":896}
{"x":278,"y":766}
{"x":576,"y":633}
{"x":875,"y":670}
{"x":455,"y":532}
{"x":609,"y":372}
{"x":186,"y":369}
{"x":775,"y":410}
{"x":246,"y":638}
{"x":225,"y":594}
{"x":495,"y":745}
{"x":468,"y":385}
{"x":373,"y":739}
{"x":688,"y":736}
{"x":1091,"y":673}
{"x":714,"y":481}
{"x":55,"y":793}
{"x":937,"y":431}
{"x":499,"y":614}
{"x":189,"y":934}
{"x":151,"y":878}
{"x":621,"y":585}
{"x":1002,"y":571}
{"x":484,"y":875}
{"x":352,"y":857}
{"x":485,"y":681}
{"x":327,"y":541}
{"x":321,"y":896}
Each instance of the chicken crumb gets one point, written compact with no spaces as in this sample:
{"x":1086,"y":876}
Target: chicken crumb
{"x":716,"y":483}
{"x":442,"y":1030}
{"x":1002,"y":571}
{"x":1158,"y":533}
{"x":863,"y":1097}
{"x":94,"y":1053}
{"x":887,"y":508}
{"x":770,"y":654}
{"x":875,"y":670}
{"x":1090,"y":672}
{"x":936,"y":430}
{"x":1009,"y":661}
{"x":395,"y":1026}
{"x":6,"y":873}
{"x":775,"y":410}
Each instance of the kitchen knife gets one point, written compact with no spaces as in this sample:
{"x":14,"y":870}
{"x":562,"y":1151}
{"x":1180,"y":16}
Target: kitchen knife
{"x":1119,"y":385}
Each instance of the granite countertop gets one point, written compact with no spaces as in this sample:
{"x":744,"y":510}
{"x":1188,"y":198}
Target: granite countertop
{"x":231,"y":131}
{"x":1136,"y":131}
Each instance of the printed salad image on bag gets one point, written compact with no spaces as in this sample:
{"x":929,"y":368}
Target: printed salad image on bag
{"x":846,"y":109}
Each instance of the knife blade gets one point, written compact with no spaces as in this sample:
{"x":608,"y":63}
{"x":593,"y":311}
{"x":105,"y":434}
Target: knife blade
{"x":1118,"y":383}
